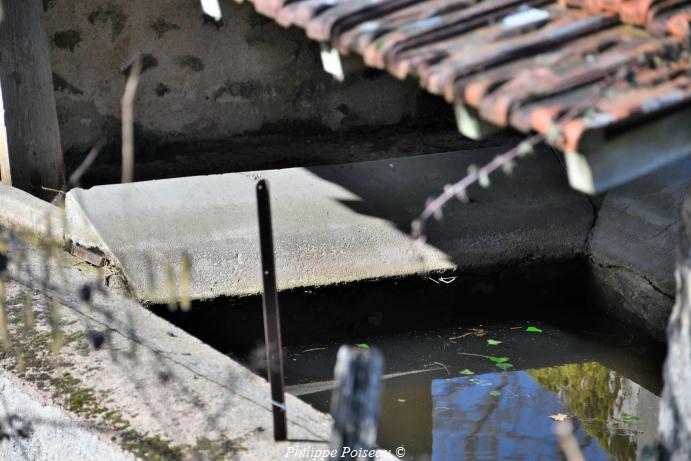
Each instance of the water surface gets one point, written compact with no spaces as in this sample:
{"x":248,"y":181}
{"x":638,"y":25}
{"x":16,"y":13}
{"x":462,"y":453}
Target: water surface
{"x":445,"y":397}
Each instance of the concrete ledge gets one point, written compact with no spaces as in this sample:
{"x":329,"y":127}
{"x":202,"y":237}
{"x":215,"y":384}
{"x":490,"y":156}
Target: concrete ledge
{"x":145,"y":226}
{"x":332,"y":224}
{"x":149,"y":386}
{"x":21,"y":210}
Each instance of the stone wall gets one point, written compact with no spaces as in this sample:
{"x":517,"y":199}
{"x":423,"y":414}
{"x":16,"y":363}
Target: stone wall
{"x":633,"y":244}
{"x":202,"y":80}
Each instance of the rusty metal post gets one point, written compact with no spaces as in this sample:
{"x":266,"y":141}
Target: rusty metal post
{"x":272,"y":322}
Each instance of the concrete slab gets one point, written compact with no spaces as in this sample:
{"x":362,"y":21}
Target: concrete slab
{"x":147,"y":391}
{"x":24,"y":212}
{"x":332,"y":224}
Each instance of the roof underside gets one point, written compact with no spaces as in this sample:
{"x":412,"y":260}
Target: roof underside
{"x":571,"y":70}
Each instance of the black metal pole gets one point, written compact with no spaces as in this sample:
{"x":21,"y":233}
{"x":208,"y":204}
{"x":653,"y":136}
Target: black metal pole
{"x":272,"y":322}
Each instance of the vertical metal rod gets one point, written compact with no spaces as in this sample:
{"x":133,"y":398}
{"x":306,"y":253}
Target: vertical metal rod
{"x":272,"y":322}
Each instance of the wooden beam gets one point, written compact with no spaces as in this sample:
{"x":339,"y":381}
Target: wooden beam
{"x":30,"y":151}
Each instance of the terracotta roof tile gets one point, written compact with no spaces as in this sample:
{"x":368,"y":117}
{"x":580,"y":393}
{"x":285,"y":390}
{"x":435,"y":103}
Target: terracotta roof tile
{"x":519,"y":63}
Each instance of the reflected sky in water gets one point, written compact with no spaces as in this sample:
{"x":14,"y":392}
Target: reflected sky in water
{"x":505,"y":416}
{"x":471,"y":420}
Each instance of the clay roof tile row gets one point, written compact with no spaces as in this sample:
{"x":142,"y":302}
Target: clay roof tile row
{"x":519,"y":63}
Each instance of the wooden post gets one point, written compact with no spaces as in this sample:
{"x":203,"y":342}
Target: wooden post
{"x":355,"y":403}
{"x":30,"y":150}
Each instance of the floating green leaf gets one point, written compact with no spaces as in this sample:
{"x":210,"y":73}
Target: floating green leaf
{"x":630,"y":419}
{"x":362,"y":346}
{"x":498,"y":359}
{"x":533,"y":330}
{"x":493,"y":342}
{"x":504,"y":366}
{"x":495,"y":393}
{"x":466,"y":372}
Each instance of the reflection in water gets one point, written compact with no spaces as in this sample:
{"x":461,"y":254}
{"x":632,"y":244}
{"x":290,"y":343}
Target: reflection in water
{"x":619,"y":413}
{"x":497,"y":416}
{"x":429,"y":407}
{"x":505,"y":416}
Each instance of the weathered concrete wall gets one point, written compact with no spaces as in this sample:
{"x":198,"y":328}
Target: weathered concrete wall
{"x":202,"y":80}
{"x":633,"y":245}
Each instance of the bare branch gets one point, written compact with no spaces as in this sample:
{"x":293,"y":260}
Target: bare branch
{"x":86,"y":163}
{"x":128,"y":119}
{"x":506,"y":161}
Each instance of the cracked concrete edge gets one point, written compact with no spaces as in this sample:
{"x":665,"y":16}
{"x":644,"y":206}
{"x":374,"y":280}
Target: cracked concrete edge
{"x":163,"y":382}
{"x":629,"y":296}
{"x":90,"y":239}
{"x":624,"y":291}
{"x":634,"y":271}
{"x":596,"y":260}
{"x":22,"y":211}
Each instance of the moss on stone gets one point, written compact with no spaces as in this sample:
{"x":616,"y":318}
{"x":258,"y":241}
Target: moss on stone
{"x":74,"y":337}
{"x":85,"y":402}
{"x":62,"y":85}
{"x":190,"y":62}
{"x":66,"y":39}
{"x":78,"y":399}
{"x":48,"y":4}
{"x":162,"y":89}
{"x":160,"y":27}
{"x":215,"y":450}
{"x":150,"y":448}
{"x":110,"y":13}
{"x":248,"y":89}
{"x":40,"y":368}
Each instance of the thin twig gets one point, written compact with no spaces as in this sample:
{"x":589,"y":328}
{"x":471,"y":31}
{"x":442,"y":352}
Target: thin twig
{"x":86,"y":163}
{"x":474,"y":355}
{"x":434,"y":206}
{"x":50,"y":189}
{"x":128,"y":120}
